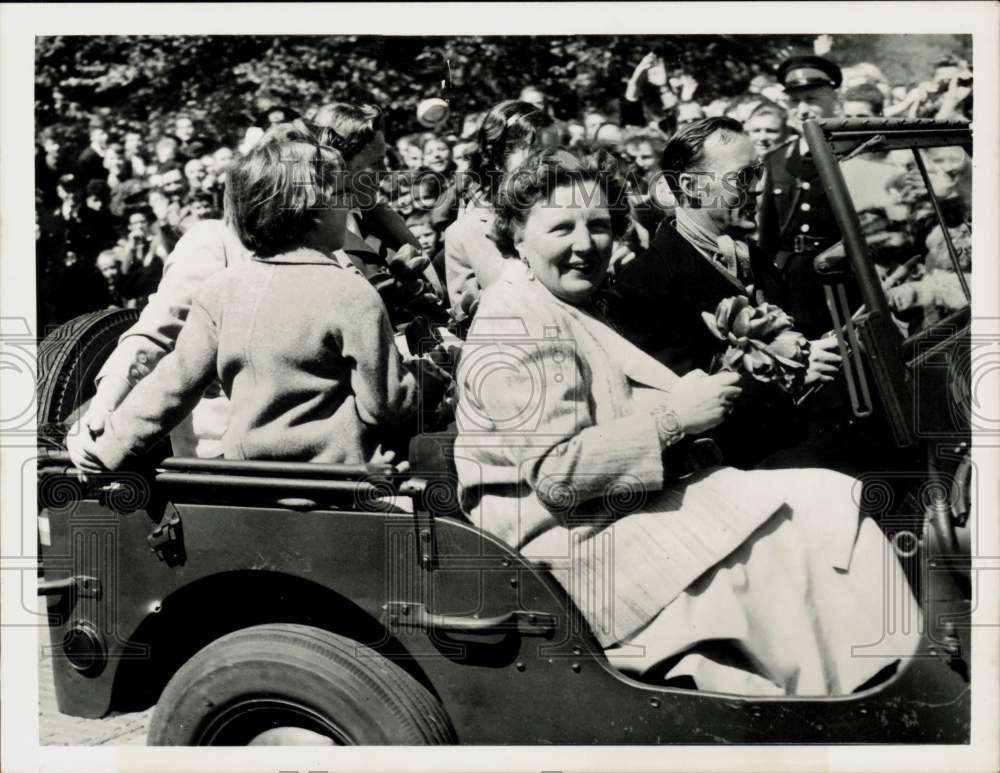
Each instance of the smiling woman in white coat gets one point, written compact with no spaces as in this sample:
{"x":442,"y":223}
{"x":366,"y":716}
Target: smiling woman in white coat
{"x":574,"y":448}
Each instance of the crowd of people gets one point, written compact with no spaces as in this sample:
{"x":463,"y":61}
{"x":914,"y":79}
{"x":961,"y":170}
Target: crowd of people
{"x":276,"y":334}
{"x":108,"y":216}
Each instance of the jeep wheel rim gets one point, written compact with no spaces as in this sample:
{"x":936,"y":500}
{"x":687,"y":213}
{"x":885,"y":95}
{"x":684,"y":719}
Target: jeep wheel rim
{"x":271,"y":722}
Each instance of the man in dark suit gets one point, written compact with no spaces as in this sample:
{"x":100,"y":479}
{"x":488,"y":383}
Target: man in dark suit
{"x":692,"y":264}
{"x":90,"y":163}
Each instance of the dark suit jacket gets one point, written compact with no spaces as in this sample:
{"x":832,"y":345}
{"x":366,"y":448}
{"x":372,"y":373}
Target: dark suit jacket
{"x":657,"y":303}
{"x":664,"y":290}
{"x":90,"y":166}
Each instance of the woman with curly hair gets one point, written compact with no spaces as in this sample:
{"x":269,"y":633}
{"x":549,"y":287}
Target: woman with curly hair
{"x":472,"y":261}
{"x":574,"y":448}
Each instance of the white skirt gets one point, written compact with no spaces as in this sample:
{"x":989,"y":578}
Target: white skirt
{"x":777,"y":618}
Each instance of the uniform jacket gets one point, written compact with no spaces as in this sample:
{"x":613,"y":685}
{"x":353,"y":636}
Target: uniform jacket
{"x":793,"y":206}
{"x":304,"y":350}
{"x":558,"y":455}
{"x":797,"y":223}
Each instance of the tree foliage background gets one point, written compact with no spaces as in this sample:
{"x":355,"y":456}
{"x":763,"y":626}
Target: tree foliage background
{"x":147,"y":79}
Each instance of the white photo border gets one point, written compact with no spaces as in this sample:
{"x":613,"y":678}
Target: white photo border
{"x":20,"y":23}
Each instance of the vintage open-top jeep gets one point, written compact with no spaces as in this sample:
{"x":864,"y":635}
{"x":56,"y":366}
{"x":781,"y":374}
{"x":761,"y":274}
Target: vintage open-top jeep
{"x":266,"y":602}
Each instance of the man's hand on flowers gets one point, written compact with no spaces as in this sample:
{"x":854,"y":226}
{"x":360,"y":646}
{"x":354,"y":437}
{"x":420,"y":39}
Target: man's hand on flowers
{"x":824,"y":360}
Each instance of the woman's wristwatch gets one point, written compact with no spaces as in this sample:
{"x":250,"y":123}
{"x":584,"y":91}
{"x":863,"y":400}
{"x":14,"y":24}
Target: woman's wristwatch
{"x":668,"y":426}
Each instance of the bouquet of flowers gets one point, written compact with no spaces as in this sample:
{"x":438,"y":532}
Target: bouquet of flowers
{"x":761,"y":342}
{"x":460,"y":317}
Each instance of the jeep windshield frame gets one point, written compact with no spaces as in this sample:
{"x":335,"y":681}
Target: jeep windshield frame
{"x":832,"y":141}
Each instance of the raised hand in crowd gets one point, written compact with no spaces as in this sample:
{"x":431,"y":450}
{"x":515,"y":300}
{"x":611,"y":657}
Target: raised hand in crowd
{"x":639,"y":76}
{"x":657,"y":73}
{"x":408,"y":262}
{"x":959,"y":89}
{"x":686,"y":85}
{"x":822,"y":45}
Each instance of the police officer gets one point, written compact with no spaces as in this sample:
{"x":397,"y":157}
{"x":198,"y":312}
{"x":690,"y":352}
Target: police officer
{"x":796,"y":222}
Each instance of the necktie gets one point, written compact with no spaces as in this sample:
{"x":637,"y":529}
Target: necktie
{"x":735,"y":256}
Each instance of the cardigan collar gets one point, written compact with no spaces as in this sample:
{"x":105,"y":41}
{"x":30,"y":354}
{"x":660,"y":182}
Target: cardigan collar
{"x":302,"y":256}
{"x":637,"y":364}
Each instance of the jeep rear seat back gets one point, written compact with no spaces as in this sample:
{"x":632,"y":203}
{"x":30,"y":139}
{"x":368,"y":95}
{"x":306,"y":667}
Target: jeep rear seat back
{"x":432,"y":458}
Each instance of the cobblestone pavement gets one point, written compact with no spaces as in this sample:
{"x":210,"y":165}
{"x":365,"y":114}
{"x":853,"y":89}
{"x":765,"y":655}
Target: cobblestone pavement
{"x":55,"y":729}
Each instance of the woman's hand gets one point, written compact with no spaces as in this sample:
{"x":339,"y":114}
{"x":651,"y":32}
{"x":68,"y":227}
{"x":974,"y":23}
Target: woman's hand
{"x":641,"y":69}
{"x":824,"y":360}
{"x":82,"y":447}
{"x":701,"y":401}
{"x":687,"y":86}
{"x":408,"y":263}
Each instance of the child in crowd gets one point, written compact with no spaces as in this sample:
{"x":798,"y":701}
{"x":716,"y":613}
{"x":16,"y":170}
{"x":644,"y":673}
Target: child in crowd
{"x":420,"y":226}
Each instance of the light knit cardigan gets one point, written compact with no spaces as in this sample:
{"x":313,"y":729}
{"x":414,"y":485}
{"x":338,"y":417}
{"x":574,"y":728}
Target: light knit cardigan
{"x":558,"y":456}
{"x":305,"y":352}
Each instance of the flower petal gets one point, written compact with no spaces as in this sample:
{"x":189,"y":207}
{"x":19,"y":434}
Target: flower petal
{"x":712,"y":325}
{"x":732,"y":358}
{"x":741,"y":322}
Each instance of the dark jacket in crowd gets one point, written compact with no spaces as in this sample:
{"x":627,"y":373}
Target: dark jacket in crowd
{"x":657,"y":303}
{"x":47,"y":178}
{"x":99,"y":230}
{"x":141,"y":282}
{"x":74,"y":287}
{"x":90,"y":166}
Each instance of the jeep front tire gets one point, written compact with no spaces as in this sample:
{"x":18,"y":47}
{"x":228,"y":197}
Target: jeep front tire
{"x":284,"y":684}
